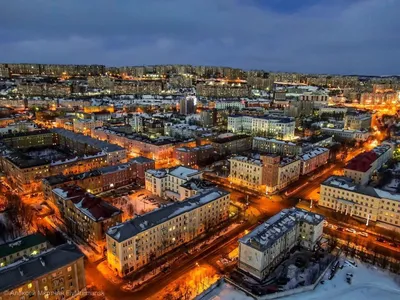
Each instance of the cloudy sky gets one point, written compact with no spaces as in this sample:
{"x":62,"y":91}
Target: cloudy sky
{"x":317,"y":36}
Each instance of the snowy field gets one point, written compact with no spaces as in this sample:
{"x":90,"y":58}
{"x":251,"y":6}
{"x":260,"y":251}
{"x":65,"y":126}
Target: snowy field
{"x":368,"y":282}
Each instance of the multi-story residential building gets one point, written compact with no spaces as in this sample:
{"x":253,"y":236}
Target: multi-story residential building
{"x":313,"y":159}
{"x":161,"y":148}
{"x":22,"y":248}
{"x":83,"y":144}
{"x":344,"y":134}
{"x":344,"y":196}
{"x":357,"y":121}
{"x":136,"y":243}
{"x":187,"y":105}
{"x":247,"y":172}
{"x":208,"y":118}
{"x":384,"y":98}
{"x":227,"y":144}
{"x":362,"y":167}
{"x":85,"y":126}
{"x":261,"y":250}
{"x":166,"y":182}
{"x":320,"y":98}
{"x":185,"y":131}
{"x":273,"y":126}
{"x":222,"y":90}
{"x":274,"y":146}
{"x":102,"y":179}
{"x":227,"y":104}
{"x":279,"y":172}
{"x":55,"y":274}
{"x":297,"y":108}
{"x":29,"y":139}
{"x":86,"y":217}
{"x":192,"y":156}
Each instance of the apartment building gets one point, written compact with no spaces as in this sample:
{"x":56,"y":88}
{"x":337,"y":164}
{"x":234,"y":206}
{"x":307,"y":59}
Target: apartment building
{"x":165,"y":182}
{"x":247,"y":172}
{"x":280,"y":172}
{"x":192,"y":156}
{"x":363,"y":166}
{"x":313,"y":159}
{"x":85,"y":217}
{"x":346,"y":134}
{"x":140,"y":241}
{"x":22,"y":248}
{"x":226,"y":104}
{"x":227,"y":144}
{"x":185,"y":131}
{"x":261,"y":250}
{"x":357,"y":121}
{"x":54,"y":274}
{"x":344,"y":196}
{"x":85,"y":126}
{"x":274,"y":146}
{"x":23,"y":140}
{"x":271,"y":126}
{"x":320,"y":98}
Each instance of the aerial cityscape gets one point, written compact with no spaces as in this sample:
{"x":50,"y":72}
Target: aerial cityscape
{"x":123,"y":179}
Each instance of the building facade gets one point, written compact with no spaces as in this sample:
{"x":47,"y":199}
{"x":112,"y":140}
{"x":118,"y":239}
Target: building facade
{"x":261,"y":250}
{"x":313,"y":159}
{"x":138,"y":242}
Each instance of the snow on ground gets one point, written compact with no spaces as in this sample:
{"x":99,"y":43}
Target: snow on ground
{"x":368,"y":282}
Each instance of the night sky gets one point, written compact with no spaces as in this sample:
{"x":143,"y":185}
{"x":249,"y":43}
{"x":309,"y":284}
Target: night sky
{"x":315,"y":36}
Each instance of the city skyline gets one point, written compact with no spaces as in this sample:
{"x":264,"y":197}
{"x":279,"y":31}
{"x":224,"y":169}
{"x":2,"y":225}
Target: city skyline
{"x":338,"y":38}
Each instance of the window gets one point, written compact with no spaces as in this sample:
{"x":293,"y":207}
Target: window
{"x":69,"y":269}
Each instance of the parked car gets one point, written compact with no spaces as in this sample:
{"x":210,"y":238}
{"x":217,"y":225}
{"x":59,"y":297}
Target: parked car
{"x":340,"y":229}
{"x":380,"y":240}
{"x":364,"y":234}
{"x":394,"y":245}
{"x":351,"y":230}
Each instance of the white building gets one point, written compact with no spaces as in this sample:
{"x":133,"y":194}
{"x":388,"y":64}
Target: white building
{"x":344,"y":134}
{"x":246,"y":172}
{"x":274,"y":126}
{"x":357,"y":121}
{"x":230,"y":104}
{"x":85,"y":126}
{"x":261,"y":250}
{"x":361,"y":167}
{"x":139,"y":241}
{"x":166,"y":182}
{"x":184,"y":131}
{"x":275,"y":146}
{"x":344,"y":196}
{"x":313,"y":159}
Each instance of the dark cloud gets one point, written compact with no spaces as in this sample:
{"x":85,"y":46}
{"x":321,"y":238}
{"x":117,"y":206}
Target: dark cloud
{"x":337,"y":36}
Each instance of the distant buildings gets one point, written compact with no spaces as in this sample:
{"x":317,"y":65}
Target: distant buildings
{"x":346,"y":135}
{"x":187,"y":105}
{"x":274,"y":146}
{"x":56,"y":273}
{"x":138,"y":242}
{"x":261,"y":250}
{"x":361,"y":167}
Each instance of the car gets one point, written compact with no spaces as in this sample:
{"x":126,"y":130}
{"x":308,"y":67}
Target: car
{"x":326,"y":223}
{"x":380,"y":240}
{"x":394,"y":245}
{"x":334,"y":227}
{"x":351,"y":230}
{"x":363,"y":234}
{"x":340,"y":229}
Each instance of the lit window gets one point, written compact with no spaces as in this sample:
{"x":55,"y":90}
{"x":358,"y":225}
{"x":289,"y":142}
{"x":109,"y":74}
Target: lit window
{"x":69,"y":269}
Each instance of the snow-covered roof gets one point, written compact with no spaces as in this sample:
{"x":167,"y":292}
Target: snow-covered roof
{"x":266,"y":234}
{"x":313,"y":153}
{"x":159,"y":216}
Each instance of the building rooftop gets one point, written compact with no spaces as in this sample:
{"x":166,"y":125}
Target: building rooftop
{"x":183,"y":172}
{"x":25,"y":271}
{"x":26,"y":133}
{"x":249,"y":160}
{"x":21,"y":244}
{"x":363,"y":161}
{"x":230,"y":138}
{"x":348,"y":184}
{"x":156,"y":217}
{"x":196,"y":184}
{"x":101,"y":145}
{"x":266,"y":234}
{"x":142,"y":160}
{"x":91,"y":206}
{"x":313,"y":153}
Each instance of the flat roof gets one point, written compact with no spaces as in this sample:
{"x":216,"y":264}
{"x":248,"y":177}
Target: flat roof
{"x":158,"y":216}
{"x":266,"y":234}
